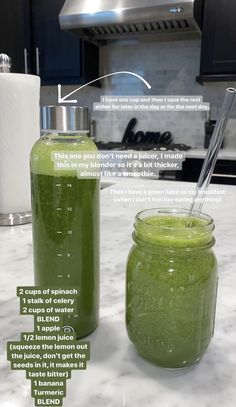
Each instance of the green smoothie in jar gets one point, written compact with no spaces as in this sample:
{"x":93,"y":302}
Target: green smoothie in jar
{"x":171,"y":287}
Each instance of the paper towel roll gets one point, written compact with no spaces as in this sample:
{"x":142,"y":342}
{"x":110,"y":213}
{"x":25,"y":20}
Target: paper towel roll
{"x":19,"y":129}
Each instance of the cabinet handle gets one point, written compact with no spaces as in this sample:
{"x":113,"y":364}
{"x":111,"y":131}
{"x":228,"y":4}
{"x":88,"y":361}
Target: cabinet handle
{"x":224,"y":175}
{"x":37,"y":62}
{"x":26,"y":60}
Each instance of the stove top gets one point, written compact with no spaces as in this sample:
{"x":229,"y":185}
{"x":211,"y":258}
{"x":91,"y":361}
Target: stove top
{"x":141,"y":146}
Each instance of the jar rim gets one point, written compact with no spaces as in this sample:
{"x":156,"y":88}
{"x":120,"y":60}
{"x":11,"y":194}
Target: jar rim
{"x":168,"y":234}
{"x":172,"y":247}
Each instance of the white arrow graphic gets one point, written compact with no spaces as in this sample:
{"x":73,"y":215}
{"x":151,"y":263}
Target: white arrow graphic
{"x":64,"y":98}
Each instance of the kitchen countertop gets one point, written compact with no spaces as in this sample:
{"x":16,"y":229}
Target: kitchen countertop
{"x":116,"y":375}
{"x":224,"y":154}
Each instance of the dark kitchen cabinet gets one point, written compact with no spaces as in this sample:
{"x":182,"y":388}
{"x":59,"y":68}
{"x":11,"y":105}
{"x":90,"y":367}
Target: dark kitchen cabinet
{"x":224,"y":172}
{"x":59,"y":56}
{"x":30,"y":33}
{"x":15,"y":38}
{"x":218,"y":53}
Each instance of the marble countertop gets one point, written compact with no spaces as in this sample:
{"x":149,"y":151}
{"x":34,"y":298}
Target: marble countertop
{"x":224,"y":154}
{"x":116,"y":375}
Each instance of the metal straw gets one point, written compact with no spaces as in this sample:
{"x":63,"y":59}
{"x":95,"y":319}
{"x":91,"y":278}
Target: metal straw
{"x":212,"y":152}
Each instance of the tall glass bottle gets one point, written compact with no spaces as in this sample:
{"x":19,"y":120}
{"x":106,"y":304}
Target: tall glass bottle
{"x":65,"y":214}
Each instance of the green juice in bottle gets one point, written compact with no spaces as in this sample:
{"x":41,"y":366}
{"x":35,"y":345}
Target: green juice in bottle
{"x":65,"y":216}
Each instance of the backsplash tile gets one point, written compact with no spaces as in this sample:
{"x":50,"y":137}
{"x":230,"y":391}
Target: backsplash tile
{"x":171,"y":68}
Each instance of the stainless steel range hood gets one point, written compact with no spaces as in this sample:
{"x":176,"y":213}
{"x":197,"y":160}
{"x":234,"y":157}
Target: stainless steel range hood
{"x":102,"y":20}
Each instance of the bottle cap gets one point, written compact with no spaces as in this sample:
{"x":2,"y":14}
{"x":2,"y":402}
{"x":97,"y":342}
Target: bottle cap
{"x":5,"y":63}
{"x":64,"y":118}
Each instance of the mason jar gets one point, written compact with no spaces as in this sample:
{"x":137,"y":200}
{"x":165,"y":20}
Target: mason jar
{"x":171,"y":286}
{"x":65,"y":213}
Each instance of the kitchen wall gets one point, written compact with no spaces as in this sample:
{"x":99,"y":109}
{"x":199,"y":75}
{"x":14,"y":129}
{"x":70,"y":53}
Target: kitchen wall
{"x":171,"y":69}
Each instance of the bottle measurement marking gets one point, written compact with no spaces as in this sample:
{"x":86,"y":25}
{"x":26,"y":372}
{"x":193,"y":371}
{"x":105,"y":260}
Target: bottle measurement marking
{"x":67,"y":185}
{"x":69,"y":209}
{"x":59,"y":276}
{"x":68,"y":232}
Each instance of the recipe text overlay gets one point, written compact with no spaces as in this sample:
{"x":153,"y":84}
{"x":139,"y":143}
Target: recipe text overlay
{"x":151,"y":104}
{"x":137,"y":164}
{"x":51,"y":352}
